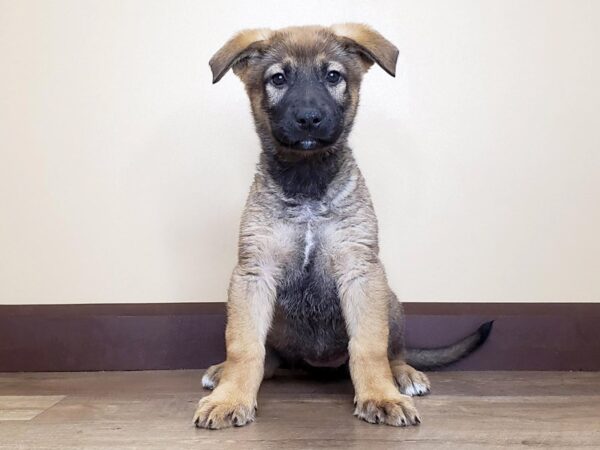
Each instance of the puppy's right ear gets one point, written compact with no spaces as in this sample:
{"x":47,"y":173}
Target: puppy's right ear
{"x":237,"y":50}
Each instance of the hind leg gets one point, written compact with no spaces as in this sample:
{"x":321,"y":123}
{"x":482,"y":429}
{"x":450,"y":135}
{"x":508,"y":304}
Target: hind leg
{"x":212,"y":376}
{"x":410,"y":381}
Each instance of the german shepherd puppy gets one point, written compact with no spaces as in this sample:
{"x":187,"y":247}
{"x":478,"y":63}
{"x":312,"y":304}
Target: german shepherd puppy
{"x":309,"y":289}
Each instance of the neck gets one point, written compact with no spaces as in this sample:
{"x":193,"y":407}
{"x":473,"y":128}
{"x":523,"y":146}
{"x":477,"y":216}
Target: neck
{"x":301,"y":175}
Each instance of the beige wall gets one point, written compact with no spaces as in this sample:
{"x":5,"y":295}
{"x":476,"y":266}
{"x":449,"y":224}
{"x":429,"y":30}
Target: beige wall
{"x":123,"y":170}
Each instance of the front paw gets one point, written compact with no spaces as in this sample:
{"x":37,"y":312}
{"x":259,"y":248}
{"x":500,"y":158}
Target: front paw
{"x":219,"y":410}
{"x":397,"y":411}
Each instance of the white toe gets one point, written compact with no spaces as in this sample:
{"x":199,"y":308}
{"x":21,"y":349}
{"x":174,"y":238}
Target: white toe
{"x":207,"y":382}
{"x":416,"y":389}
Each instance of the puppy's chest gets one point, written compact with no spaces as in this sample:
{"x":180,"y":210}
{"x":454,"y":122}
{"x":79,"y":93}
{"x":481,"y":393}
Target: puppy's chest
{"x":307,"y":288}
{"x":311,"y":223}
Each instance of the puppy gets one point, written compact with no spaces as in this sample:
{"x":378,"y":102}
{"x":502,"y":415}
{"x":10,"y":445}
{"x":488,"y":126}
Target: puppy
{"x":309,"y":289}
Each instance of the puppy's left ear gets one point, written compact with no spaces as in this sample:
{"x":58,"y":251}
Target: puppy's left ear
{"x":237,"y":51}
{"x":371,"y":45}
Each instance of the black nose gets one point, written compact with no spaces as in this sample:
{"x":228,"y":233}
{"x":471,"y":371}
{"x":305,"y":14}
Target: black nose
{"x":308,"y":118}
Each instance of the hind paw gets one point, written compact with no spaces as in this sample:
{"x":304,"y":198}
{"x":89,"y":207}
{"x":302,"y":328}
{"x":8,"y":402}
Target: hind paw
{"x":212,"y":376}
{"x":410,"y":381}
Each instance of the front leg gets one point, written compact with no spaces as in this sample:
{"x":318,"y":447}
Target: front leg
{"x":365,"y":295}
{"x":249,"y":313}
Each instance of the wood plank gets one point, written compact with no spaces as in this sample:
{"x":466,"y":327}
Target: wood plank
{"x":25,"y":407}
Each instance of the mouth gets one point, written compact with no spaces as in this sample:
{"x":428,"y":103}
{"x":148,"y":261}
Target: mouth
{"x":306,"y":144}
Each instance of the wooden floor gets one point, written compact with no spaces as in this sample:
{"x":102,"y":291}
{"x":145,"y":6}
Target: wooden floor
{"x":153,"y":410}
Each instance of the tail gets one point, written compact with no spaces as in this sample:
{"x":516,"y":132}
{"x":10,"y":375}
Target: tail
{"x":433,"y":358}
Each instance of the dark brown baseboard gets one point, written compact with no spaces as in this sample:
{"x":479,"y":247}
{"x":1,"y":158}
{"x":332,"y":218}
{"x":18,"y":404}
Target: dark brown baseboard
{"x":526,"y":336}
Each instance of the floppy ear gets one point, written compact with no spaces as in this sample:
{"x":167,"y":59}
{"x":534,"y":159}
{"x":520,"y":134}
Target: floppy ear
{"x":370,"y":44}
{"x":238,"y":48}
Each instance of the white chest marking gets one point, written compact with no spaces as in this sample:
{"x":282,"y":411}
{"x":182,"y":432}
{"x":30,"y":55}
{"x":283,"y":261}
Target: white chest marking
{"x":309,"y":238}
{"x":309,"y":243}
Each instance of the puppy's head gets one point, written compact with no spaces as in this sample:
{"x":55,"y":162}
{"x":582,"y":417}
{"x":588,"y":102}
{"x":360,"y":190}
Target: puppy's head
{"x":303,"y":82}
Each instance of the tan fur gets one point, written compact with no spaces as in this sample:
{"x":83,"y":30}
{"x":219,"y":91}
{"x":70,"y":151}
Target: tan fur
{"x":234,"y":50}
{"x":365,"y":302}
{"x":262,"y":253}
{"x":373,"y":44}
{"x":270,"y":231}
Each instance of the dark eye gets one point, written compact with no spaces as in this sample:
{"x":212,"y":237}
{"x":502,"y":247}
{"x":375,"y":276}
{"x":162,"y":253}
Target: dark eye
{"x":278,"y":79}
{"x":333,"y":76}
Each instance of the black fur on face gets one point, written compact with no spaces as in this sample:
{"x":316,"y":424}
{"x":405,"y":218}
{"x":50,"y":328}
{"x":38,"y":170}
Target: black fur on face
{"x":303,"y":113}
